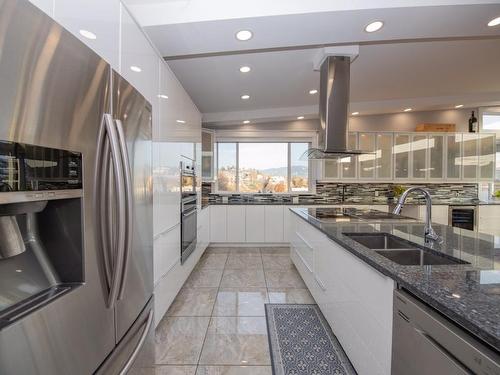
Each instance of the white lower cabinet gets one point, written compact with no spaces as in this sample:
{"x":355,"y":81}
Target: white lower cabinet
{"x":489,"y":219}
{"x":236,"y":224}
{"x":255,"y":224}
{"x":355,"y":298}
{"x":203,"y":238}
{"x":273,"y":223}
{"x":439,"y":214}
{"x":218,"y":223}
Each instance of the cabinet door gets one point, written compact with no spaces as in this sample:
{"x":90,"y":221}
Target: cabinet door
{"x":139,"y":62}
{"x":453,"y":156}
{"x":419,"y":156}
{"x":100,"y":18}
{"x":436,"y":157}
{"x":487,"y":156}
{"x":218,"y":223}
{"x":401,"y":156}
{"x":366,"y":162}
{"x":348,"y":164}
{"x":207,"y":158}
{"x":236,"y":227}
{"x":46,"y":6}
{"x":331,"y":169}
{"x":384,"y":156}
{"x":255,"y":224}
{"x":470,"y":159}
{"x":274,"y":223}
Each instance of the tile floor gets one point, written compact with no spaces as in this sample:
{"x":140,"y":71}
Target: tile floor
{"x":217,"y":324}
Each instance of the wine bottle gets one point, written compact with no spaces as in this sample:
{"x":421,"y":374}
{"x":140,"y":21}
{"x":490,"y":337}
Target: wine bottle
{"x":472,"y":123}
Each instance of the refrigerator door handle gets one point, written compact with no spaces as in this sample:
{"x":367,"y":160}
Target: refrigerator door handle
{"x":129,"y":205}
{"x":138,"y":348}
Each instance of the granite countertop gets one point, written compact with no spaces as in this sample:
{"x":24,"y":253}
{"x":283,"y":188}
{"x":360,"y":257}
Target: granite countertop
{"x":468,"y":294}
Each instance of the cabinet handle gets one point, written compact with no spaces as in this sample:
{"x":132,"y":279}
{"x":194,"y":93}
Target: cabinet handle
{"x":320,"y":283}
{"x":305,"y":241}
{"x":303,"y":261}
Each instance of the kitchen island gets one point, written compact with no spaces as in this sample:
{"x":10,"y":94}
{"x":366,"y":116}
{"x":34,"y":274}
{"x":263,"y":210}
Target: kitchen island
{"x":353,"y":285}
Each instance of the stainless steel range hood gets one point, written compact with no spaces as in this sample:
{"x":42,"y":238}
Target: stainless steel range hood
{"x":333,"y":109}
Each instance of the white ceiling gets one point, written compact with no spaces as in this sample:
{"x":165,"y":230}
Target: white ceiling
{"x":384,"y":78}
{"x":429,"y":55}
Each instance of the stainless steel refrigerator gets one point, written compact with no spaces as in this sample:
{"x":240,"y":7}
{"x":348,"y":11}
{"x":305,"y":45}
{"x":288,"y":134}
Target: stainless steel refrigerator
{"x":76,"y":272}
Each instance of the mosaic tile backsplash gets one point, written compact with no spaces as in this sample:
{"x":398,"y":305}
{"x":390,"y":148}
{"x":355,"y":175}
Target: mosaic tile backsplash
{"x":360,"y":193}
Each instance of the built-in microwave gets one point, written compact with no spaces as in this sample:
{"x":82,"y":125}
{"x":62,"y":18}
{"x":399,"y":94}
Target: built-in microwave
{"x":188,"y":178}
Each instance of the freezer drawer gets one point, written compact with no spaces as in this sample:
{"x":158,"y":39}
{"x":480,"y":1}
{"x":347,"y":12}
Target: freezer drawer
{"x":134,"y":354}
{"x":424,"y":342}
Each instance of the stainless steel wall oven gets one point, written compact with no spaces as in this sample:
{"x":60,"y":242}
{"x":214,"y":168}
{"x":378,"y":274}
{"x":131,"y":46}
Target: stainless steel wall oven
{"x":189,"y":211}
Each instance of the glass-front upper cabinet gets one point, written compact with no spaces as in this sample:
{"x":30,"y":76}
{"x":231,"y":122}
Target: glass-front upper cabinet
{"x":436,"y":156}
{"x":348,"y":164}
{"x":207,"y":155}
{"x":383,"y":156}
{"x":401,"y":152}
{"x":453,"y":156}
{"x":470,"y":157}
{"x":366,"y":162}
{"x":419,"y":156}
{"x":331,"y":168}
{"x":487,"y":155}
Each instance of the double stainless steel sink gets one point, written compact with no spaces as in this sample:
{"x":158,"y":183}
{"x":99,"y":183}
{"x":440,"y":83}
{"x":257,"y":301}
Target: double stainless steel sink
{"x":401,"y":251}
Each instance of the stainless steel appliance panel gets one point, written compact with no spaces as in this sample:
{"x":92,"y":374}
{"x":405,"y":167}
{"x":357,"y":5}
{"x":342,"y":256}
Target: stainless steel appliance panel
{"x":464,"y":217}
{"x":424,"y":342}
{"x":133,"y":112}
{"x":54,"y":92}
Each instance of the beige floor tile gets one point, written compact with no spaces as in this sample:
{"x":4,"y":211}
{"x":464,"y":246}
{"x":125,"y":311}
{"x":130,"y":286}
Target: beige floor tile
{"x":243,"y":261}
{"x":240,"y":302}
{"x":201,"y":278}
{"x":284,"y":279}
{"x":193,"y":302}
{"x":277,"y":262}
{"x":234,"y":370}
{"x":179,"y":340}
{"x":236,"y":341}
{"x":175,"y":370}
{"x":275,"y":250}
{"x":243,"y":278}
{"x":290,"y":295}
{"x":244,"y":250}
{"x":212,"y":261}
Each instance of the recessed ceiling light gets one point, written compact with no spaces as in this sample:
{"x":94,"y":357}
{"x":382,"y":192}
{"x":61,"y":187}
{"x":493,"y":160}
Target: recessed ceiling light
{"x":494,"y":22}
{"x":245,"y":69}
{"x":355,"y":113}
{"x":181,"y":121}
{"x":459,"y":106}
{"x":135,"y":69}
{"x":312,"y":92}
{"x":300,"y":118}
{"x":88,"y":34}
{"x":407,"y":109}
{"x":246,"y":122}
{"x":163,"y":96}
{"x":244,"y":35}
{"x":245,"y":97}
{"x":374,"y":26}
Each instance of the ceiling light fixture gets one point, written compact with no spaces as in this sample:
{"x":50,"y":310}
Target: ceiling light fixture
{"x":88,"y":34}
{"x":494,"y":22}
{"x":407,"y":109}
{"x":355,"y":113}
{"x":300,"y":118}
{"x":244,"y":35}
{"x":245,"y":97}
{"x":245,"y":69}
{"x":181,"y":121}
{"x":246,"y":122}
{"x":312,"y":92}
{"x":459,"y":106}
{"x":135,"y":69}
{"x":374,"y":26}
{"x":163,"y":96}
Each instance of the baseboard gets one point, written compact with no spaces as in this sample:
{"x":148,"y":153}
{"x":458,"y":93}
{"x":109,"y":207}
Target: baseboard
{"x":246,"y":244}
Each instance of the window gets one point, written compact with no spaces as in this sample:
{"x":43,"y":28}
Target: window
{"x":262,"y":167}
{"x":490,"y":120}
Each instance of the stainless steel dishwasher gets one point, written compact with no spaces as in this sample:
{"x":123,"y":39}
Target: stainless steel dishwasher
{"x":424,"y":342}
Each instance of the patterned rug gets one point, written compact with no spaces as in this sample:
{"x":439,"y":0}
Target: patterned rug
{"x":301,"y":342}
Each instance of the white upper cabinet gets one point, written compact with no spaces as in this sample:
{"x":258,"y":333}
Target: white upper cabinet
{"x":138,"y":60}
{"x":453,"y":156}
{"x":419,"y":156}
{"x":436,"y":156}
{"x":383,"y":156}
{"x":45,"y":5}
{"x":470,"y":157}
{"x":95,"y":22}
{"x":348,"y":164}
{"x":366,"y":162}
{"x":487,"y":155}
{"x":401,"y":152}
